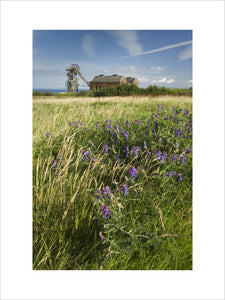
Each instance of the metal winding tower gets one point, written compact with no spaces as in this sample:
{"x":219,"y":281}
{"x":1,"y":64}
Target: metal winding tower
{"x":72,"y":78}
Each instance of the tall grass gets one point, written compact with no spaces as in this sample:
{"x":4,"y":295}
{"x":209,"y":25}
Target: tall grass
{"x":75,"y":176}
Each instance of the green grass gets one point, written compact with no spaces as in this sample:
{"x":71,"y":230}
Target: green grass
{"x":151,"y":227}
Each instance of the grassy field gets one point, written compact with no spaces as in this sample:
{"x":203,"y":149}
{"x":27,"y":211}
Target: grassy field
{"x":112,"y":183}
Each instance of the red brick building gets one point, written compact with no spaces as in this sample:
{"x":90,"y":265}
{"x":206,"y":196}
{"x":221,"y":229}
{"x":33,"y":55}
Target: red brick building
{"x":101,"y":81}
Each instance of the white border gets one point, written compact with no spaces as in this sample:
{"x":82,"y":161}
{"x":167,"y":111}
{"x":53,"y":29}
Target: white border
{"x":18,"y":19}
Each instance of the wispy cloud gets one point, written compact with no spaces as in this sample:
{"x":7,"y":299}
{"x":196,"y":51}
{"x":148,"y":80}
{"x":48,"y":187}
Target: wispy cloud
{"x":157,"y":69}
{"x":88,"y":45}
{"x":186,"y":53}
{"x":164,"y":80}
{"x":160,"y":49}
{"x":128,"y":40}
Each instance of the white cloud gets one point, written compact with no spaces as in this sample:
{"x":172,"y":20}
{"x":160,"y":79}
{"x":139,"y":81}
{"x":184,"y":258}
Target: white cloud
{"x":129,"y":40}
{"x":164,"y":80}
{"x":88,"y":45}
{"x":143,"y":79}
{"x":186,"y":53}
{"x":157,"y":69}
{"x":190,"y":81}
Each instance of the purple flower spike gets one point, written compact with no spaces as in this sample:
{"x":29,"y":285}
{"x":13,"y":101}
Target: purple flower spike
{"x":125,"y":188}
{"x":190,"y":149}
{"x":127,"y":151}
{"x":105,"y":148}
{"x":148,"y":152}
{"x":118,"y":158}
{"x":160,"y":157}
{"x":174,"y":157}
{"x":101,"y":237}
{"x":128,"y":123}
{"x":169,"y":174}
{"x":99,"y":194}
{"x":106,"y":215}
{"x":182,"y":159}
{"x":180,"y":177}
{"x":47,"y":134}
{"x":154,"y":132}
{"x":60,"y":157}
{"x":86,"y":154}
{"x":133,"y":172}
{"x":54,"y":162}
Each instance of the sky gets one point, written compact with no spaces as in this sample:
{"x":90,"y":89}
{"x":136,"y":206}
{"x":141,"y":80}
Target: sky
{"x":154,"y":57}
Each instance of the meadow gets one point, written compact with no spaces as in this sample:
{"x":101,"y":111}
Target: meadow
{"x":112,"y":183}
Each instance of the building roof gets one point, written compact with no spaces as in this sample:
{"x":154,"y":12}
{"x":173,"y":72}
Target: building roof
{"x":103,"y":78}
{"x":130,"y":79}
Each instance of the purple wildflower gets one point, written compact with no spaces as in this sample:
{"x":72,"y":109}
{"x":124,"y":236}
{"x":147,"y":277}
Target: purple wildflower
{"x":186,"y":112}
{"x":47,"y":134}
{"x":107,"y":191}
{"x":60,"y":157}
{"x":182,"y":159}
{"x":125,"y":133}
{"x":174,"y":157}
{"x":162,"y":107}
{"x":190,"y":149}
{"x":125,"y":188}
{"x":128,"y":123}
{"x":118,"y":158}
{"x":158,"y":106}
{"x":146,"y":132}
{"x":156,"y":125}
{"x":99,"y":194}
{"x":118,"y":191}
{"x":178,"y":133}
{"x":166,"y":118}
{"x":54,"y":162}
{"x":169,"y":174}
{"x":97,"y":126}
{"x":86,"y":154}
{"x":133,"y":172}
{"x":105,"y":211}
{"x":101,"y":237}
{"x":106,"y":215}
{"x":148,"y":152}
{"x":180,"y":177}
{"x":175,"y":120}
{"x":136,"y":150}
{"x":154,"y":132}
{"x":165,"y":155}
{"x":119,"y":126}
{"x":160,"y":157}
{"x":127,"y":151}
{"x":105,"y":146}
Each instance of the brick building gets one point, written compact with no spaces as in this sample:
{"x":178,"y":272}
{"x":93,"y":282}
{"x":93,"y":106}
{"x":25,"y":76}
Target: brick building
{"x":101,"y":81}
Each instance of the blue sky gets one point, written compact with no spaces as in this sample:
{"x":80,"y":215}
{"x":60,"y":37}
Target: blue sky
{"x":160,"y":57}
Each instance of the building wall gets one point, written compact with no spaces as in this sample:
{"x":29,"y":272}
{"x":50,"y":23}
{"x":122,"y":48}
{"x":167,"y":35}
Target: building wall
{"x":100,"y":85}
